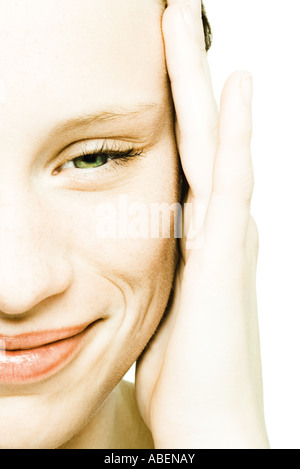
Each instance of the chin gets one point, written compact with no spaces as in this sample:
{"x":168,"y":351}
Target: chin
{"x":29,"y":422}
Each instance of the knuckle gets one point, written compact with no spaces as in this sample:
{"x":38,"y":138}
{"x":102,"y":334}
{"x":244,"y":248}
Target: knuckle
{"x":245,"y":186}
{"x":202,"y":134}
{"x":253,"y":234}
{"x":236,"y":141}
{"x":231,"y":182}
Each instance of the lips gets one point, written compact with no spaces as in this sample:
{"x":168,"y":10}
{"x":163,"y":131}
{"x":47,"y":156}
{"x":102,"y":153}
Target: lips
{"x":28,"y":358}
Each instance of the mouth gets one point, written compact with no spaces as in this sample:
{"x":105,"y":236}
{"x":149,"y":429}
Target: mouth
{"x":32,"y":357}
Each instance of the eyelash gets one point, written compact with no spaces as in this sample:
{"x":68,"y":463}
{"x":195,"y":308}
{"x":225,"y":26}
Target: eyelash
{"x":115,"y":155}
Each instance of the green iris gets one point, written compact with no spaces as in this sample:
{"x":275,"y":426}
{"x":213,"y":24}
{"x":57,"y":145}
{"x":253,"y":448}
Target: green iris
{"x":90,"y":161}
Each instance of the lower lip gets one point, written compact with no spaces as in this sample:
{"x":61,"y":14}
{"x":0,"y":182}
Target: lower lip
{"x":28,"y":366}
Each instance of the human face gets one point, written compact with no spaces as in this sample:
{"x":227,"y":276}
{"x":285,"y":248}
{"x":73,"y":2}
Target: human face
{"x":63,"y":64}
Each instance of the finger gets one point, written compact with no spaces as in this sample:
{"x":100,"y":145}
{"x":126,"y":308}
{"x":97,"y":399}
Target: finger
{"x":195,"y":106}
{"x":229,"y":207}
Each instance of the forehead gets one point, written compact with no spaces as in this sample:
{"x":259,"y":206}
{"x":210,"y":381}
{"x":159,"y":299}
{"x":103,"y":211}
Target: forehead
{"x":77,"y":55}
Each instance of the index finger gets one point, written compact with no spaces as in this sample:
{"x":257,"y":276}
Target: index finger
{"x":195,"y":106}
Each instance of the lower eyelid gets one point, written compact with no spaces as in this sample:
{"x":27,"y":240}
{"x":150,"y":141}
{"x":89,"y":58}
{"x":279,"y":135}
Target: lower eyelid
{"x":91,"y":180}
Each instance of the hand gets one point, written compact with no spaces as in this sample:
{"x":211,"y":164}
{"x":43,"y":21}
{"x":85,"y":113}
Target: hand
{"x":198,"y":384}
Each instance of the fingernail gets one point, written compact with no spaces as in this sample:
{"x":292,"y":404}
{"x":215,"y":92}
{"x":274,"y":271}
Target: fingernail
{"x":247,"y":87}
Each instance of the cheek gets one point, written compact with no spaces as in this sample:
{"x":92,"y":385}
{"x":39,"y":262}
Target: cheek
{"x":137,"y":249}
{"x":128,"y":233}
{"x":123,"y":237}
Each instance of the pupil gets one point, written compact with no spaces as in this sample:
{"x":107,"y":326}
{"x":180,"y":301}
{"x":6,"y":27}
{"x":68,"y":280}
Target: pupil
{"x":89,"y":159}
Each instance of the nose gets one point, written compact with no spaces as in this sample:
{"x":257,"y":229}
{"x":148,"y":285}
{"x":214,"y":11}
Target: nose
{"x":33,"y":263}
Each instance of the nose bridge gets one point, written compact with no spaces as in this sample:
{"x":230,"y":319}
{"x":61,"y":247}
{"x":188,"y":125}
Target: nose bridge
{"x":33,"y":266}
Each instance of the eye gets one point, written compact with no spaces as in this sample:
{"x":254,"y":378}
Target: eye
{"x":92,"y":158}
{"x":90,"y":161}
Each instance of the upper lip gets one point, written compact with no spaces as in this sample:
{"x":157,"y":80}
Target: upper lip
{"x":33,"y":340}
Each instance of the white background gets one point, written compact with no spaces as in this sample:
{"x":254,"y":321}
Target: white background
{"x":263,"y":36}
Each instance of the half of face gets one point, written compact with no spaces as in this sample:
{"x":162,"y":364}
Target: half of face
{"x":87,"y":146}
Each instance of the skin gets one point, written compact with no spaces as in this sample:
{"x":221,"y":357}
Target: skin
{"x":199,"y":382}
{"x":63,"y":272}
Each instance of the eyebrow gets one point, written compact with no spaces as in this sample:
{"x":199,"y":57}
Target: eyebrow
{"x":102,"y":117}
